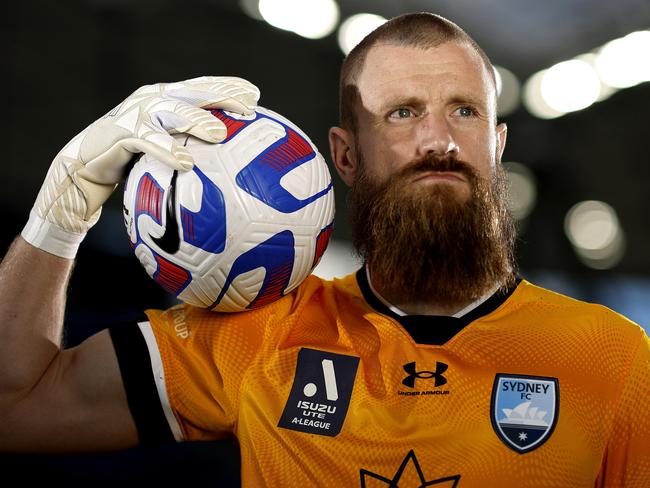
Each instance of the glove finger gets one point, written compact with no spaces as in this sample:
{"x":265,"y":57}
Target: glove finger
{"x":95,"y":195}
{"x":244,"y":104}
{"x":108,"y":168}
{"x":164,"y":148}
{"x":184,"y":118}
{"x":229,"y":93}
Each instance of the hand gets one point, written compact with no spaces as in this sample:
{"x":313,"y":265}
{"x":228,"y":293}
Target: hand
{"x":87,"y":170}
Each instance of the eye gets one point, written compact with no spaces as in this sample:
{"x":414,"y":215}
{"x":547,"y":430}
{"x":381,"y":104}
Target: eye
{"x":467,"y":111}
{"x":401,"y":113}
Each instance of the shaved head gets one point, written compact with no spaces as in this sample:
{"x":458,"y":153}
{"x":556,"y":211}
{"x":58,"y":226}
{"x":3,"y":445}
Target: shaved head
{"x":420,"y":30}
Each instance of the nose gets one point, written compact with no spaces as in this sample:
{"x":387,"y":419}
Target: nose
{"x":435,"y":136}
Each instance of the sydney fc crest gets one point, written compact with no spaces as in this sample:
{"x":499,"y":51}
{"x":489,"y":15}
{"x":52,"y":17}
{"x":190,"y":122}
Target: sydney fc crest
{"x":524,"y":410}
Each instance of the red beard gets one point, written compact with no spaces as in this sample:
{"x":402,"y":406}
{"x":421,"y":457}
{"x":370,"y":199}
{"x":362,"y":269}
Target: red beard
{"x":429,"y":243}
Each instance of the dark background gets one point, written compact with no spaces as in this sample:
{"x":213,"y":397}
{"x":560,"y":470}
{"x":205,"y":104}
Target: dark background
{"x":67,"y":63}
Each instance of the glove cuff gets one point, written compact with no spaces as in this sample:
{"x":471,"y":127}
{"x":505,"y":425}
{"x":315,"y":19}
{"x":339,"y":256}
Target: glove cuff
{"x":50,"y":238}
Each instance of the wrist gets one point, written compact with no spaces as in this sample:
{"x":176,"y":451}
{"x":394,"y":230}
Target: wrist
{"x":51,"y":238}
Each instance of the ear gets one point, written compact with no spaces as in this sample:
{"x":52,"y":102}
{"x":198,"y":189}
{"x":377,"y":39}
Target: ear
{"x":341,"y":149}
{"x":501,"y":133}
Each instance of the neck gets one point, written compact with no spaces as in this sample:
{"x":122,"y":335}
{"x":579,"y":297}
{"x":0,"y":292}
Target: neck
{"x":426,"y":306}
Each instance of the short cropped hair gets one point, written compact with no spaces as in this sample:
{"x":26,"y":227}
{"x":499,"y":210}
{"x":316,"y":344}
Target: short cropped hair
{"x":422,"y":30}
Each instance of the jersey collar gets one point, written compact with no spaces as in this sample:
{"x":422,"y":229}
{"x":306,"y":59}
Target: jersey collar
{"x":433,"y":329}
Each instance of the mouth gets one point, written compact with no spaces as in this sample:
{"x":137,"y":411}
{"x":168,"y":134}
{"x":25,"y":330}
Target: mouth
{"x":452,"y":176}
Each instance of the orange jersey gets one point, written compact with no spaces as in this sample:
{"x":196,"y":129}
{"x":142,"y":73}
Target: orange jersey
{"x":327,"y":387}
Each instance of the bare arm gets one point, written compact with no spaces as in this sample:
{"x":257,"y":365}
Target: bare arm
{"x":74,"y":399}
{"x":53,"y":399}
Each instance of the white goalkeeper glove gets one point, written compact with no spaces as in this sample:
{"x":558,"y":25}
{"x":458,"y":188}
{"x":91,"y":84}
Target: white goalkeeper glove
{"x":86,"y":171}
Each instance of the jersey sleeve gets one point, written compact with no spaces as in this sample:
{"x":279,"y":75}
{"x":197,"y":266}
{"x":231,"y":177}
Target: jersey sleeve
{"x":194,"y":366}
{"x":135,"y":365}
{"x":181,"y":374}
{"x":627,"y":459}
{"x":199,"y":361}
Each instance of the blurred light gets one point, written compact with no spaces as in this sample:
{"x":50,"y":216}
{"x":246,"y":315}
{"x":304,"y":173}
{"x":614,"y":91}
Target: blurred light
{"x":499,"y":81}
{"x":570,"y":85}
{"x":625,"y":62}
{"x":251,"y":8}
{"x":534,"y":101}
{"x":593,"y":229}
{"x":338,"y":260}
{"x":312,"y":19}
{"x":508,"y":89}
{"x":606,"y":91}
{"x":355,"y":28}
{"x":522,"y":190}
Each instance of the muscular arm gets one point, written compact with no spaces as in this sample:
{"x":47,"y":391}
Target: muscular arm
{"x":53,"y":399}
{"x":74,"y":399}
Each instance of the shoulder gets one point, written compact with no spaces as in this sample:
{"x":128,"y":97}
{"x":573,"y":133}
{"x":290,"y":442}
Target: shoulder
{"x":313,"y":288}
{"x":315,"y":297}
{"x":593,"y":319}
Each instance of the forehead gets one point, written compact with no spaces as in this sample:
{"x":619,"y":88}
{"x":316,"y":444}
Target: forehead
{"x":450,"y":69}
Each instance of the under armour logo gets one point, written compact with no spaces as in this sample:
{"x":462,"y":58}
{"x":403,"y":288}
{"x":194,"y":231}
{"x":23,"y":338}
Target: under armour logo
{"x":424,"y":375}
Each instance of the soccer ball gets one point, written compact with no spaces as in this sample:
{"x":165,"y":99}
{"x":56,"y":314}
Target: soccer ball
{"x":245,"y":226}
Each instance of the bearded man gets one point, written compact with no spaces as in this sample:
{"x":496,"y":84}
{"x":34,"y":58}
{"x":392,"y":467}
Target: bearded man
{"x":431,"y":365}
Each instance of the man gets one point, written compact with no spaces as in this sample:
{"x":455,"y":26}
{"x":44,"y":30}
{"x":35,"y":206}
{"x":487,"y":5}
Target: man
{"x":432,"y":365}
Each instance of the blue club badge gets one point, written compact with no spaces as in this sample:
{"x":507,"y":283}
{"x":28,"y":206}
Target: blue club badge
{"x":524,"y":410}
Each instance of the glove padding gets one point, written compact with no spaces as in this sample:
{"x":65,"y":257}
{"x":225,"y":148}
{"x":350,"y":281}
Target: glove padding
{"x":86,"y":171}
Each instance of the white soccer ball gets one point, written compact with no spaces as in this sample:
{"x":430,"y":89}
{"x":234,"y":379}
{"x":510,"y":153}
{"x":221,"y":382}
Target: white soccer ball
{"x":245,"y":226}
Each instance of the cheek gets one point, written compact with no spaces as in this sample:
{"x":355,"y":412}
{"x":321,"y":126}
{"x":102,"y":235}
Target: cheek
{"x":480,"y":151}
{"x":396,"y":153}
{"x":380,"y":157}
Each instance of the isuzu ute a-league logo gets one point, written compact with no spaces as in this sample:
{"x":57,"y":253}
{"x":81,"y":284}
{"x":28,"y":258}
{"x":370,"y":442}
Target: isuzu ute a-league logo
{"x":321,"y":392}
{"x":524,"y":410}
